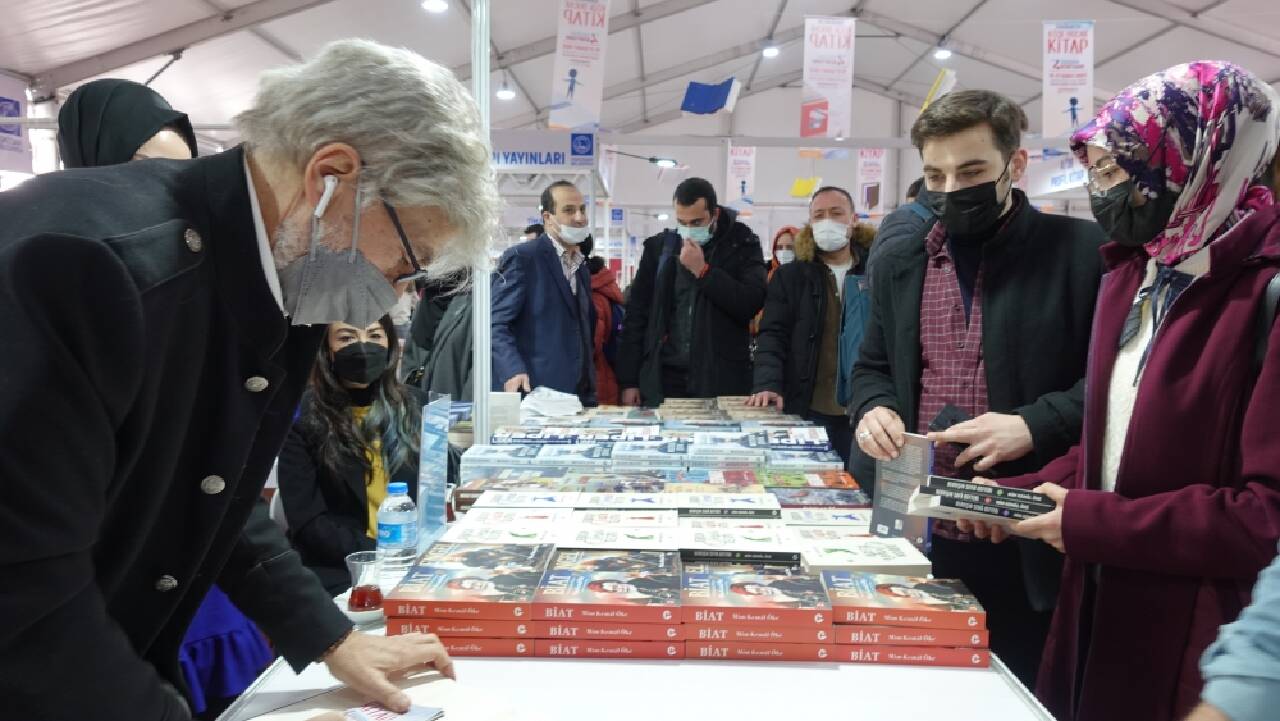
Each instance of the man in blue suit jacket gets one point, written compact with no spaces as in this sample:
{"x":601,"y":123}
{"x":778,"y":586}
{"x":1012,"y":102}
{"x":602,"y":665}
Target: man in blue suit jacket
{"x":542,"y":312}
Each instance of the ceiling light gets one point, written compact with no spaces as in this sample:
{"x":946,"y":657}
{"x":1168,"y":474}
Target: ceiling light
{"x":839,"y":138}
{"x":663,"y":162}
{"x":663,"y":216}
{"x":435,"y":6}
{"x":505,"y":93}
{"x":941,"y":54}
{"x":770,"y":51}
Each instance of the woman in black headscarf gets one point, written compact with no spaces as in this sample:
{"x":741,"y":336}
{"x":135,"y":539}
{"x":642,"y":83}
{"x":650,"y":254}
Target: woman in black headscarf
{"x":112,"y":121}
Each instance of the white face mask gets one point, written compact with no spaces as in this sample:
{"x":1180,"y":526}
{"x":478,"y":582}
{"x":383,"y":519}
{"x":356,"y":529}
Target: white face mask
{"x":786,"y":256}
{"x":573,"y":235}
{"x":830,"y":235}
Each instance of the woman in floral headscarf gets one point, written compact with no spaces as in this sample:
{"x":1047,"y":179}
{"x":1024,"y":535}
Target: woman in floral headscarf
{"x":1170,"y":505}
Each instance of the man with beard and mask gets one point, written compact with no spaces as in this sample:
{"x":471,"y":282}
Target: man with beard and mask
{"x":543,"y":318}
{"x":981,"y":331}
{"x":687,"y":331}
{"x":814,"y":316}
{"x":161,"y":318}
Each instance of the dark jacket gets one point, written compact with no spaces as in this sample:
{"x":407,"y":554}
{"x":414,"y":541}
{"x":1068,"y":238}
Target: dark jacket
{"x":147,"y":383}
{"x":440,"y":346}
{"x":1040,"y":281}
{"x":328,"y":512}
{"x":907,"y":223}
{"x":540,"y":327}
{"x":1195,"y":514}
{"x":790,"y":339}
{"x":726,"y":299}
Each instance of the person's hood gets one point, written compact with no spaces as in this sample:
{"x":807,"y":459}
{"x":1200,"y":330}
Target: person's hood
{"x":807,"y":248}
{"x":105,"y":122}
{"x":606,"y":283}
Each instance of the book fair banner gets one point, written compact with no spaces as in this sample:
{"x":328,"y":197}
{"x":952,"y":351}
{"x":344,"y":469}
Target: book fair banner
{"x":740,"y":193}
{"x":15,"y":150}
{"x":1067,"y":99}
{"x":870,"y":180}
{"x":577,"y":86}
{"x":826,"y":109}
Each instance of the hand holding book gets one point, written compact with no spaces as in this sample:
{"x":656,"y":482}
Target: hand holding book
{"x":991,"y":438}
{"x":997,"y":532}
{"x":1047,"y":528}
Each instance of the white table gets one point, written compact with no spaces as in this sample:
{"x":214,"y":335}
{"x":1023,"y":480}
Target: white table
{"x":535,"y":689}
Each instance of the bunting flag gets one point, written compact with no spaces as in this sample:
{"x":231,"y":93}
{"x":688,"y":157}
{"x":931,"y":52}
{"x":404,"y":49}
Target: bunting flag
{"x":804,"y":187}
{"x":704,"y":99}
{"x":943,"y":84}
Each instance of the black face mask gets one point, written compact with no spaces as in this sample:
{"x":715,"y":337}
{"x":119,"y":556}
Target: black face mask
{"x":1127,"y":224}
{"x":967,"y":212}
{"x":360,"y":363}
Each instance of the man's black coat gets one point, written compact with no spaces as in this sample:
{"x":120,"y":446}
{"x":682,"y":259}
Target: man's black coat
{"x":147,"y":381}
{"x":727,"y":298}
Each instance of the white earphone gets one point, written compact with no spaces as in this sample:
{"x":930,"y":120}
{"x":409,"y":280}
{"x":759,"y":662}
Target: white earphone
{"x":330,"y":185}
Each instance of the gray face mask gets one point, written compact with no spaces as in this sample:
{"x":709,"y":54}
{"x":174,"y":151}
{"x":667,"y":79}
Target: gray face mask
{"x":327,"y":286}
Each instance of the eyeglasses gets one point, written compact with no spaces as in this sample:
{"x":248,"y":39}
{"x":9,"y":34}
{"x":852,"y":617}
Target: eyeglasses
{"x":419,"y":273}
{"x":1104,"y":176}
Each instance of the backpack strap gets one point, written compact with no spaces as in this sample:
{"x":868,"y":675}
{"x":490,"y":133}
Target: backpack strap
{"x":1266,"y":319}
{"x":918,"y":208}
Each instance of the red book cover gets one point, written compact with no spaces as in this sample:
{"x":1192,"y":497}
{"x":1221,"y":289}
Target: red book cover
{"x":915,"y":656}
{"x":588,"y":631}
{"x":731,"y":651}
{"x":900,"y":636}
{"x":753,"y":595}
{"x":612,"y":586}
{"x":495,"y":647}
{"x":759,"y":634}
{"x":873,"y":599}
{"x":470,"y":581}
{"x":608,"y":649}
{"x":460,"y":628}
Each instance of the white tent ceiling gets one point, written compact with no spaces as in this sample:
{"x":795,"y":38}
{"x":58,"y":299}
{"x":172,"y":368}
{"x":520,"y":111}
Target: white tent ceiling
{"x":655,"y":49}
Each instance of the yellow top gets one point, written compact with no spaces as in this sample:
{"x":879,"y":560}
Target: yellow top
{"x":376,"y":485}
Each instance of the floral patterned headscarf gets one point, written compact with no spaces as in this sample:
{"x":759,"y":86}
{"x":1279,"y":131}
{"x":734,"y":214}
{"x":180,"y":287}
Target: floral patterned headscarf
{"x":1206,"y":131}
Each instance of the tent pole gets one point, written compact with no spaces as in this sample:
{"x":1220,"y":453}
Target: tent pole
{"x":481,"y":290}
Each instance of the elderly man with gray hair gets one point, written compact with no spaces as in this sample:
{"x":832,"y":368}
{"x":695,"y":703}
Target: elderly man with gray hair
{"x":161,"y":318}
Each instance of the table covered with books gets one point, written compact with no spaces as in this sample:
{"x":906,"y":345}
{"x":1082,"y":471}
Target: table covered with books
{"x":702,"y":559}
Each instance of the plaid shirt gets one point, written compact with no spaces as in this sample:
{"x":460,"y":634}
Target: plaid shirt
{"x":951,"y":366}
{"x":570,"y":260}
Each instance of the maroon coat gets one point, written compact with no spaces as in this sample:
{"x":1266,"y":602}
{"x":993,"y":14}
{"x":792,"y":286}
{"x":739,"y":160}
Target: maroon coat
{"x":1196,"y":511}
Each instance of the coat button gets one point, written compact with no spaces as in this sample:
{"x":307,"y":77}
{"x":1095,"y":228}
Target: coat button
{"x":166,"y":583}
{"x":213,"y":485}
{"x":256,"y":384}
{"x":194,"y":243}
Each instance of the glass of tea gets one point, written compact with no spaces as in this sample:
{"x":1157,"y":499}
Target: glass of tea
{"x":366,"y":594}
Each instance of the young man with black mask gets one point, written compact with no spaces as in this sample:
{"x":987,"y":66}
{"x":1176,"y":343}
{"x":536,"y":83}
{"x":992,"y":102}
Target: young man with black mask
{"x":987,"y":319}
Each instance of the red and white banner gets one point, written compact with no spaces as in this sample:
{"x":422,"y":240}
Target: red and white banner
{"x":826,"y":106}
{"x":870,"y":180}
{"x":741,"y":188}
{"x":577,"y":87}
{"x":1067,"y":98}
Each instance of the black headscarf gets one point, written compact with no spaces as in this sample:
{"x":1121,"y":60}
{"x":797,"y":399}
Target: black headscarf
{"x":105,"y":122}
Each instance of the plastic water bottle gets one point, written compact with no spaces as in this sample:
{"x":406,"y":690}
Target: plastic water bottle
{"x":397,"y":533}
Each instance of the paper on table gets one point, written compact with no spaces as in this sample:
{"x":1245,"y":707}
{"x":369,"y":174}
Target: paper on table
{"x":426,"y":688}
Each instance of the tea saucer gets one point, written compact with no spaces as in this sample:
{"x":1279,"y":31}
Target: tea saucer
{"x":359,"y":618}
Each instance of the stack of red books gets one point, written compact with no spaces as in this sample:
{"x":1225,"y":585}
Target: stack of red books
{"x":882,"y":619}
